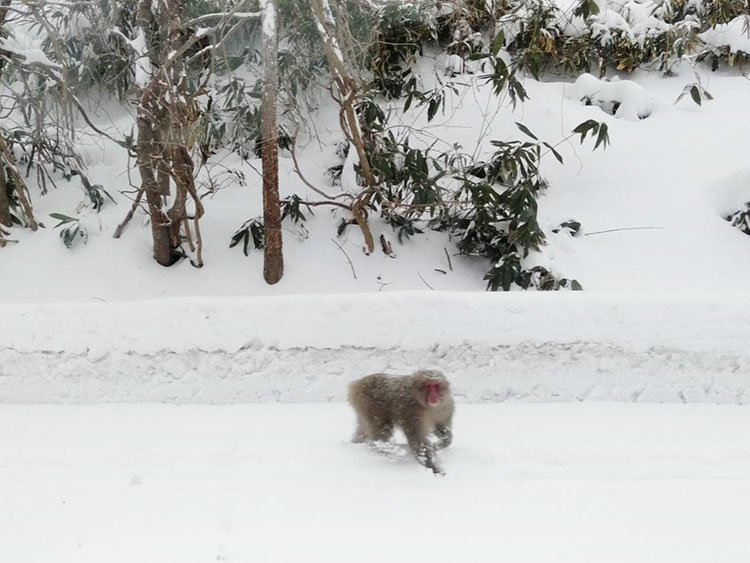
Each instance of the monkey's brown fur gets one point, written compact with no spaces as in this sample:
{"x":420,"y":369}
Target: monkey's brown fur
{"x":383,"y":402}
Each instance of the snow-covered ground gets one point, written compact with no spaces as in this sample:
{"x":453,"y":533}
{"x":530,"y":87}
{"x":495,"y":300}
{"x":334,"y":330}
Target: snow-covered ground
{"x":494,"y":346}
{"x":664,"y":318}
{"x":574,"y":483}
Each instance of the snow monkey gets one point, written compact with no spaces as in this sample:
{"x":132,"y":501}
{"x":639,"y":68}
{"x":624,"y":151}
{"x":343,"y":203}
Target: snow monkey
{"x":420,"y":404}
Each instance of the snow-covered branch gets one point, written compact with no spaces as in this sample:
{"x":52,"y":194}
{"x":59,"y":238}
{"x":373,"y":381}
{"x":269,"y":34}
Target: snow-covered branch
{"x":223,"y":16}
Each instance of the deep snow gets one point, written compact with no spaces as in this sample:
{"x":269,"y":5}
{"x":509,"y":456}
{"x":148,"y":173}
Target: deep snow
{"x":598,"y":483}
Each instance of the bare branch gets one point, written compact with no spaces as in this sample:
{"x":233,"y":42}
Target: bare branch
{"x":310,"y":185}
{"x":129,"y":216}
{"x":354,"y":272}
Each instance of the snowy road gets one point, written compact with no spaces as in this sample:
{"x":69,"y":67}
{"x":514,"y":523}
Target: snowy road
{"x":596,"y":482}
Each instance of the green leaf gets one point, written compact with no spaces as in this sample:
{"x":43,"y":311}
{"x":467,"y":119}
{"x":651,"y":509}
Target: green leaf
{"x":63,"y":219}
{"x":525,"y":130}
{"x":585,"y":126}
{"x":603,"y":138}
{"x":236,"y":238}
{"x":695,"y":93}
{"x":586,"y":8}
{"x":433,"y":108}
{"x":407,"y":104}
{"x":556,"y":154}
{"x":497,"y":43}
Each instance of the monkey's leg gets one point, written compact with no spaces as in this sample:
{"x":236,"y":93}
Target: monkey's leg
{"x":444,"y":434}
{"x":359,"y":433}
{"x":382,"y":430}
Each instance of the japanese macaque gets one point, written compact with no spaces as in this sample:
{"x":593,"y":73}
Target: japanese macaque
{"x":420,"y":404}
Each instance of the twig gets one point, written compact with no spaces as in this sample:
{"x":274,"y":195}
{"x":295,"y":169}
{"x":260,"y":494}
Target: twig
{"x":448,"y":256}
{"x":85,"y":116}
{"x":423,"y":280}
{"x":623,"y":229}
{"x":129,"y":216}
{"x":309,"y":184}
{"x":354,"y":273}
{"x":334,"y":203}
{"x":383,"y":285}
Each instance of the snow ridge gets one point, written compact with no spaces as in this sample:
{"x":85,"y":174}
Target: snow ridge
{"x":495,"y":347}
{"x":545,"y":371}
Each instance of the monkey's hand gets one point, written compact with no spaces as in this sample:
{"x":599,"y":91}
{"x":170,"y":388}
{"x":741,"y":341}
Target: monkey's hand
{"x":444,"y":435}
{"x":425,"y":455}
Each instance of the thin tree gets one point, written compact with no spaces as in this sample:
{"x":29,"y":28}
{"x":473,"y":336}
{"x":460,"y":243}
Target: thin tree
{"x":273,"y":259}
{"x":347,"y":96}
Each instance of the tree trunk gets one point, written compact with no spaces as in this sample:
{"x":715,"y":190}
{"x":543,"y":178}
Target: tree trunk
{"x":273,"y":259}
{"x":145,"y":150}
{"x":150,"y":124}
{"x":5,"y":219}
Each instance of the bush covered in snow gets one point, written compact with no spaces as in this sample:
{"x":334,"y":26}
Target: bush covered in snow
{"x":587,"y":35}
{"x":192,"y":75}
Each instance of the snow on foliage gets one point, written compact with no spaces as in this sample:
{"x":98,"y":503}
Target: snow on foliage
{"x":735,"y":35}
{"x":622,"y":98}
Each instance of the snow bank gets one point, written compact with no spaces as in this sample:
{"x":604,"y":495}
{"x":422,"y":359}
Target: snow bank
{"x":622,"y":98}
{"x":732,"y":193}
{"x":496,"y":347}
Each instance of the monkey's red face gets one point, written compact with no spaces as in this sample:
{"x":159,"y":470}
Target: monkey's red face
{"x":432,"y":392}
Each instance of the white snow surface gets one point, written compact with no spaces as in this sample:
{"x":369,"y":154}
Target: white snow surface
{"x":495,"y":347}
{"x":604,"y":483}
